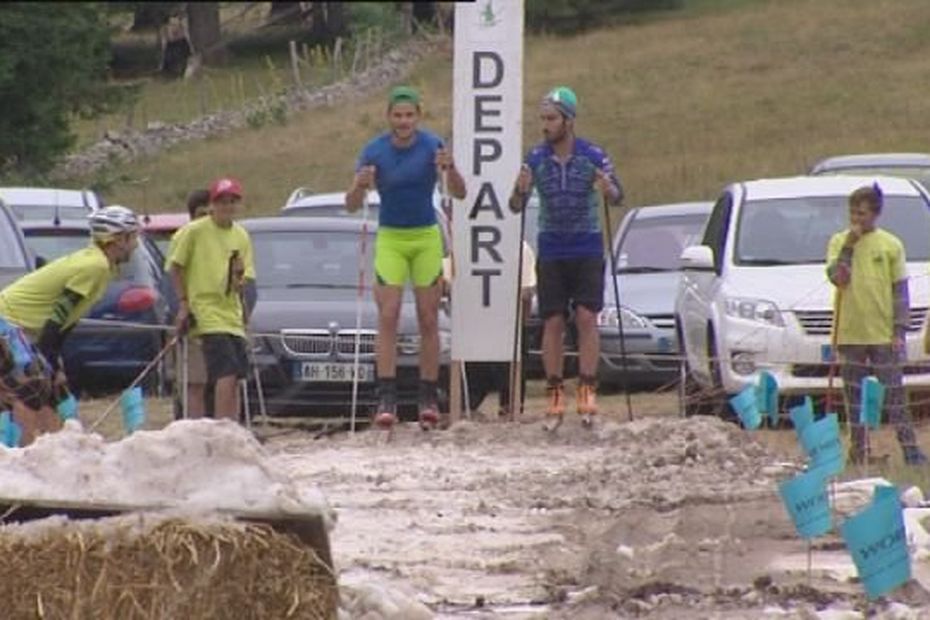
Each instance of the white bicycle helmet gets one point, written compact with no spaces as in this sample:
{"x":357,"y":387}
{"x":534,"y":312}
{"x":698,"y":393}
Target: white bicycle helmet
{"x":109,"y":221}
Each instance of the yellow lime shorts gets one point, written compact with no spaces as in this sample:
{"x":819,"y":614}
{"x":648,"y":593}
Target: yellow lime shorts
{"x":408,"y":254}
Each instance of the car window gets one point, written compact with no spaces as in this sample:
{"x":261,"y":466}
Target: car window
{"x":11,"y":253}
{"x":52,"y":245}
{"x":329,"y":210}
{"x":920,"y":174}
{"x":656,"y":243}
{"x":47,"y":212}
{"x":797,"y":230}
{"x":302,"y":259}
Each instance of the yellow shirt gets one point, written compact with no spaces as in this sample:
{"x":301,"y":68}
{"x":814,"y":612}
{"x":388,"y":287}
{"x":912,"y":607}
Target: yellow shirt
{"x":28,"y":302}
{"x":867,"y":304}
{"x":204,"y":250}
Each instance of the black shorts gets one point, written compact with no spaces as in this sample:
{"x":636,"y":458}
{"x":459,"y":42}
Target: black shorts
{"x":225,"y":355}
{"x":564,"y":281}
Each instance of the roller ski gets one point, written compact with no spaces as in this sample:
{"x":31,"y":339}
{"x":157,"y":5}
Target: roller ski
{"x":555,"y":412}
{"x":429,"y":407}
{"x":587,"y":404}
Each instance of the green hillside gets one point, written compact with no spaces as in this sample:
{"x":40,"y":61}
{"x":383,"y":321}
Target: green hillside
{"x":684,"y":103}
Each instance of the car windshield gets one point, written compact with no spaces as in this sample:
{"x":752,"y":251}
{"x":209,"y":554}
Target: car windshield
{"x":796,"y":231}
{"x":330,"y":210}
{"x":11,"y":254}
{"x":47,"y":212}
{"x":655,"y":243}
{"x":920,"y":174}
{"x":51,"y":245}
{"x":308,"y":259}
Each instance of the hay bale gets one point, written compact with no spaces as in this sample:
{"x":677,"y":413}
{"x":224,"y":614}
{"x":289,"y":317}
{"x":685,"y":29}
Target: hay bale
{"x":151,"y":566}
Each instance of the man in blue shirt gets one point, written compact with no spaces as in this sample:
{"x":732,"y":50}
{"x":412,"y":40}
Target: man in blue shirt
{"x":570,"y":174}
{"x":404,"y":165}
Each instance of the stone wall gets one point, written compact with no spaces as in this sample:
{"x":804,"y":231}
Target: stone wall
{"x":127,"y":145}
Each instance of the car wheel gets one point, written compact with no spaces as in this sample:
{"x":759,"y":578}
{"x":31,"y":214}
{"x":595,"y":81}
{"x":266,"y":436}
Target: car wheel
{"x":719,"y":401}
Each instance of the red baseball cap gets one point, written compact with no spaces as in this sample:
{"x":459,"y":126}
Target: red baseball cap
{"x":225,"y":186}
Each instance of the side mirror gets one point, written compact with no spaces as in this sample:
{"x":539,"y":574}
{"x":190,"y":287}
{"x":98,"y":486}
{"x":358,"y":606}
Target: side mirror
{"x":40,"y":262}
{"x":697,"y":258}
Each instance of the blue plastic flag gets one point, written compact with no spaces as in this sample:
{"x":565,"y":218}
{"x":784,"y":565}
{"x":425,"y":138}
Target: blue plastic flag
{"x":68,"y":408}
{"x":10,"y":432}
{"x":821,"y":441}
{"x":877,"y":540}
{"x":872,"y":399}
{"x":802,"y":416}
{"x":746,"y":407}
{"x":133,"y":407}
{"x":805,"y":499}
{"x":768,"y":396}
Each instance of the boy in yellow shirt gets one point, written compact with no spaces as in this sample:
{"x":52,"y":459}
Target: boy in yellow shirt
{"x":213,"y":274}
{"x":868,"y":267}
{"x":43,"y":306}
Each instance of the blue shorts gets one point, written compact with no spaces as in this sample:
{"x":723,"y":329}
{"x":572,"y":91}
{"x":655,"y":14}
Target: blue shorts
{"x":24,"y":373}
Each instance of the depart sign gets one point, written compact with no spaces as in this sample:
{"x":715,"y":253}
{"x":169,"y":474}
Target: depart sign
{"x":487,"y":136}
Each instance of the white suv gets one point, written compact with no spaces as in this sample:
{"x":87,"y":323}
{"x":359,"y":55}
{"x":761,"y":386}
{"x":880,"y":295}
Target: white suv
{"x":755,"y":295}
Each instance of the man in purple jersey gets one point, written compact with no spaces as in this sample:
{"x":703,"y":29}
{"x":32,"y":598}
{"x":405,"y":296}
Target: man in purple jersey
{"x":570,"y":174}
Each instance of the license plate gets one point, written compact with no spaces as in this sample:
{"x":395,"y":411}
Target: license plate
{"x":327,"y":372}
{"x":826,"y":353}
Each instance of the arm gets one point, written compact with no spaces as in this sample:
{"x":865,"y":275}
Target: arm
{"x":839,"y":261}
{"x":53,"y":333}
{"x":363,"y":181}
{"x":456,"y":183}
{"x":180,"y":290}
{"x":608,"y":181}
{"x":521,"y":189}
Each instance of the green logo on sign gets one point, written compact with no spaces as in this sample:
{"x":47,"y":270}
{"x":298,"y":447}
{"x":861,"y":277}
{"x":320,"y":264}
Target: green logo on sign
{"x":488,"y":16}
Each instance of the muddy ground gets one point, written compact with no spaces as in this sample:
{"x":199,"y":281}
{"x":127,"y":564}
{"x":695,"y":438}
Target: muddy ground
{"x":657,"y":518}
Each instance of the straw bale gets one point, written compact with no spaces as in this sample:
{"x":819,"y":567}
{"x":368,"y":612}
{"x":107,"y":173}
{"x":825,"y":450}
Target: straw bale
{"x":142,"y":567}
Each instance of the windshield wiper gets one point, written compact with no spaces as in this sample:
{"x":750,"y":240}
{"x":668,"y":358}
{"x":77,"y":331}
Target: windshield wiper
{"x":643,"y":269}
{"x":765,"y":262}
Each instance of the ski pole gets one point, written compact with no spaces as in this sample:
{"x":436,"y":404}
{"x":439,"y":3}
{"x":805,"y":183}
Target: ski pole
{"x":362,"y":262}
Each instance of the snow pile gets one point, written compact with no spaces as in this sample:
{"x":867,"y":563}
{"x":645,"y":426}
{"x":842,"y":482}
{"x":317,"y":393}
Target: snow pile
{"x":196,"y":466}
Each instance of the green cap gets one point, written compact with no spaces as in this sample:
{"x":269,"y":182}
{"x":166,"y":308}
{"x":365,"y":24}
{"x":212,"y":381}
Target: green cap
{"x":563,"y":98}
{"x":403,"y":94}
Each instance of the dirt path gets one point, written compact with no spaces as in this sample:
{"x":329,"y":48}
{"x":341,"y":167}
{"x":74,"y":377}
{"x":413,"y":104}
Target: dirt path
{"x":655,"y":518}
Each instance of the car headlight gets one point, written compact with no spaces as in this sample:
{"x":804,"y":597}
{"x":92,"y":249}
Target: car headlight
{"x":757,"y":310}
{"x":631,"y":320}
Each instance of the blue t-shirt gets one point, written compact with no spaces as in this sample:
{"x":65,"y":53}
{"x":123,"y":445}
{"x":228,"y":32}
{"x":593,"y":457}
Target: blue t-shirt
{"x":406,"y":178}
{"x":569,"y":222}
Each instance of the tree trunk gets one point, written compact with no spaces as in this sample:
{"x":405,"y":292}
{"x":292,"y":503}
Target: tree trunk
{"x":204,"y":26}
{"x":285,"y":13}
{"x":406,"y":17}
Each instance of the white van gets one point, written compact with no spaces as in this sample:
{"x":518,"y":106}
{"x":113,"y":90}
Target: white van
{"x":755,"y":296}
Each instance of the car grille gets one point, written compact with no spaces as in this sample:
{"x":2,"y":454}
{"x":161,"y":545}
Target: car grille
{"x":306,"y":342}
{"x":820,"y":322}
{"x":345,"y":342}
{"x":662,"y":321}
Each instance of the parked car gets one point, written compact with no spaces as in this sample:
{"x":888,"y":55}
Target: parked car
{"x":647,"y":249}
{"x":97,"y":358}
{"x":754,"y":294}
{"x":15,"y":260}
{"x":160,"y":227}
{"x":909,"y":165}
{"x":307,"y":277}
{"x":45,"y":203}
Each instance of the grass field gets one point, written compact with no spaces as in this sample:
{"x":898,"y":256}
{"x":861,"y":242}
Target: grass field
{"x":684,"y":102}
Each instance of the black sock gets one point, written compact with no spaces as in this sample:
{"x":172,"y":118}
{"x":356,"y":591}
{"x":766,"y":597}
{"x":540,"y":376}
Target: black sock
{"x":555,"y":381}
{"x":587,"y":380}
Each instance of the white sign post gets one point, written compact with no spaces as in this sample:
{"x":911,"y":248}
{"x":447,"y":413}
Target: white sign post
{"x":487,"y":129}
